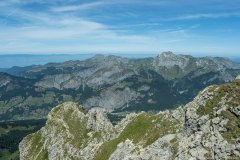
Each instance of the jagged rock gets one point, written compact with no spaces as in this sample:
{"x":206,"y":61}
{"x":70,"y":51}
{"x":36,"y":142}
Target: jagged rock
{"x":238,"y":77}
{"x":72,"y":133}
{"x":235,"y":110}
{"x":159,"y":148}
{"x":127,"y":150}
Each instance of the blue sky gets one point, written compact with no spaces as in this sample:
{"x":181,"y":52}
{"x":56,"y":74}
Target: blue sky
{"x":205,"y":27}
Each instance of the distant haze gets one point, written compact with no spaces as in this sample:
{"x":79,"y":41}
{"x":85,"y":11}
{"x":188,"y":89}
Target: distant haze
{"x":7,"y":61}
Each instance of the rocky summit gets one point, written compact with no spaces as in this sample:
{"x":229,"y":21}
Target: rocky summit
{"x":206,"y":128}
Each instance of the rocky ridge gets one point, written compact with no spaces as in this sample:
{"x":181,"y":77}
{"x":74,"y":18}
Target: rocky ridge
{"x":70,"y":129}
{"x":173,"y":66}
{"x":206,"y":128}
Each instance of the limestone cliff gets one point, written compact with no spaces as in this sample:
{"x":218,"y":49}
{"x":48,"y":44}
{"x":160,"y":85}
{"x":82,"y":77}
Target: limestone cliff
{"x":206,"y":128}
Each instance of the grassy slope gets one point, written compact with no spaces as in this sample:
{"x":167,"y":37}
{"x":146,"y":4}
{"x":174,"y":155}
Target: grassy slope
{"x":142,"y":130}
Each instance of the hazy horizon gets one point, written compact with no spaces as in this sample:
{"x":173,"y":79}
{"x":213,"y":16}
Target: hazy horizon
{"x":23,"y":60}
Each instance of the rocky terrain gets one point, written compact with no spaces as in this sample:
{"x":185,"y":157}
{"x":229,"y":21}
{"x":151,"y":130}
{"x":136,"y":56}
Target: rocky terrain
{"x":118,"y":84}
{"x":206,"y":128}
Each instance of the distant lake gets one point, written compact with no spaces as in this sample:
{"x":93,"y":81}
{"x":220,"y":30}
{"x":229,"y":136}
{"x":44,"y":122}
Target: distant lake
{"x":7,"y":61}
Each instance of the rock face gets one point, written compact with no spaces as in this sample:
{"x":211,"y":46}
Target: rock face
{"x":97,"y":71}
{"x":4,"y":80}
{"x":238,"y":77}
{"x":112,"y":99}
{"x":173,"y":66}
{"x":9,"y":82}
{"x":168,"y":60}
{"x":206,"y":128}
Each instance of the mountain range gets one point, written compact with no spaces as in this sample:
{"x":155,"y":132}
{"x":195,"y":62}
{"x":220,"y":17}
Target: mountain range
{"x":115,"y":83}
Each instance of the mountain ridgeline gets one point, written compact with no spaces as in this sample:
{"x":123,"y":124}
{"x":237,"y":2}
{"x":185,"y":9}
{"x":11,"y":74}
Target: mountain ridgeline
{"x":206,"y":128}
{"x":115,"y":83}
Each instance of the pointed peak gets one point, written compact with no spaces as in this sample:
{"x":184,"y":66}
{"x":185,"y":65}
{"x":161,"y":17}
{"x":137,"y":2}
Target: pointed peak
{"x":168,"y":53}
{"x":238,"y":77}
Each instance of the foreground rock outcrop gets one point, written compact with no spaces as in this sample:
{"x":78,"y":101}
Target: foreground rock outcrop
{"x":206,"y":128}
